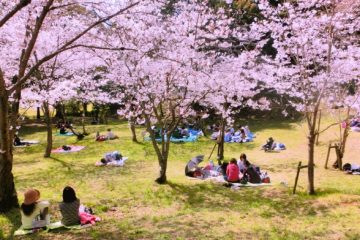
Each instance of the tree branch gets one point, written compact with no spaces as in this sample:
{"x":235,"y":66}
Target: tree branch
{"x":17,"y":8}
{"x":66,"y":46}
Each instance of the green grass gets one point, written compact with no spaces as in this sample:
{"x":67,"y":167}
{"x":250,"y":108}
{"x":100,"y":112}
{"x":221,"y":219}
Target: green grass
{"x":133,"y":206}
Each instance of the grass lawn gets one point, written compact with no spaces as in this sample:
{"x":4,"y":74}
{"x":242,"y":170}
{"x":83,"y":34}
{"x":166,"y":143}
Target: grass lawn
{"x":133,"y":206}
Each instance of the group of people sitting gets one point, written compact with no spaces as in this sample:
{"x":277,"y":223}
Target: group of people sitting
{"x":109,"y":136}
{"x":35,"y":213}
{"x":355,"y":124}
{"x":236,"y":171}
{"x":243,"y":134}
{"x":271,"y":145}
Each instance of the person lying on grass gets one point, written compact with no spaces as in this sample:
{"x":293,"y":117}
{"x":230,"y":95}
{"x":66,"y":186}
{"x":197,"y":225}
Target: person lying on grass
{"x":34,"y":213}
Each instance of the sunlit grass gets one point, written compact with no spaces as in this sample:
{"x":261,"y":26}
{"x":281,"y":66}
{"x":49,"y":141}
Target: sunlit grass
{"x":132,"y":206}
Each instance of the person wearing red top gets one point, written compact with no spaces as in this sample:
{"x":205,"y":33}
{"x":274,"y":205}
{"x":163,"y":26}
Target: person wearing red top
{"x":232,"y":171}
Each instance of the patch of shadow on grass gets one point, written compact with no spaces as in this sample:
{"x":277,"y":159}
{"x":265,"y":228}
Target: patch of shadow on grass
{"x":14,"y":218}
{"x":69,"y":166}
{"x":217,"y":197}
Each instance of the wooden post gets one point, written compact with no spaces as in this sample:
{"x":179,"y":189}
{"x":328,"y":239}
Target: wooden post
{"x":297,"y":177}
{"x":212,"y":150}
{"x":327,"y":156}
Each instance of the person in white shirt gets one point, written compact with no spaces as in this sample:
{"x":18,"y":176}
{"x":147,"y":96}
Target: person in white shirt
{"x":34,"y":213}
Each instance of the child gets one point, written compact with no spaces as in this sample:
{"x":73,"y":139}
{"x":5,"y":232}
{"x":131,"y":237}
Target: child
{"x":34,"y":213}
{"x":69,"y":207}
{"x":110,"y":135}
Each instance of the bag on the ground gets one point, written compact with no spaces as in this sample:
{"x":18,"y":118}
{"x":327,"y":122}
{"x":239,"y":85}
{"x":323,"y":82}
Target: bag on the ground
{"x":244,"y":180}
{"x":66,"y":148}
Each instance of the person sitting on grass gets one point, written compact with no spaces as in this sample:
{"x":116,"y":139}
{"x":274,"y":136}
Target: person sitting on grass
{"x":63,"y":129}
{"x":251,"y":174}
{"x":69,"y":207}
{"x":269,"y":145}
{"x":110,"y":135}
{"x":18,"y":142}
{"x":242,"y":162}
{"x":232,"y":171}
{"x":34,"y":213}
{"x":228,"y":136}
{"x":100,"y":138}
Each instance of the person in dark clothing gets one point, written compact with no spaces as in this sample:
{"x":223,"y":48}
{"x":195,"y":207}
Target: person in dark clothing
{"x":17,"y":141}
{"x":63,"y":129}
{"x":269,"y":145}
{"x":251,"y":174}
{"x":69,"y":207}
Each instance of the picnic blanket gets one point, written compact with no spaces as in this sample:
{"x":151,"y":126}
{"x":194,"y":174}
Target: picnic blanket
{"x":51,"y":226}
{"x":114,"y":163}
{"x":191,"y":138}
{"x":26,"y":143}
{"x":64,"y":135}
{"x":73,"y":149}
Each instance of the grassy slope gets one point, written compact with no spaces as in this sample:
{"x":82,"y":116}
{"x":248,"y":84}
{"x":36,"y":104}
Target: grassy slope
{"x":132,"y":206}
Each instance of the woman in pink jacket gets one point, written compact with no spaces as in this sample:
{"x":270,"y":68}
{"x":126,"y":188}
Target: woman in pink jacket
{"x":232,"y":171}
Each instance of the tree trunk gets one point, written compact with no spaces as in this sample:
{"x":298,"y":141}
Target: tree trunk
{"x":59,"y":114}
{"x":38,"y":115}
{"x":83,"y":120}
{"x":133,"y":131}
{"x":220,"y":140}
{"x":85,"y":110}
{"x":311,"y":149}
{"x":48,"y":129}
{"x":162,"y":174}
{"x":8,"y":196}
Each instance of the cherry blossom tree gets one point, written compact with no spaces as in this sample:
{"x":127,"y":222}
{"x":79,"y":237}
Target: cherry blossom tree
{"x":26,"y":28}
{"x":167,"y":73}
{"x":313,"y":55}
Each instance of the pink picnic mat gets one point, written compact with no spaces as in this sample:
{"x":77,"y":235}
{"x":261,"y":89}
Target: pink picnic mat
{"x":73,"y":149}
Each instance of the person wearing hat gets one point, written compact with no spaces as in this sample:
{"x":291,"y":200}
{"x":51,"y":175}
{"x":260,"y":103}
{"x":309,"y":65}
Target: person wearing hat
{"x":34,"y":213}
{"x":69,"y":207}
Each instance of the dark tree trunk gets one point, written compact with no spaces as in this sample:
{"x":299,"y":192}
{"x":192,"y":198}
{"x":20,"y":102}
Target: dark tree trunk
{"x":162,"y":173}
{"x":83,"y":121}
{"x":38,"y":115}
{"x":311,"y":149}
{"x":8,"y":196}
{"x":133,"y":131}
{"x":48,"y":129}
{"x":220,"y":141}
{"x":85,"y":109}
{"x":58,"y":111}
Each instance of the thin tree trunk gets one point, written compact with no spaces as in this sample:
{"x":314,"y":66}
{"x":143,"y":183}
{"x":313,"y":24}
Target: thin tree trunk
{"x":311,"y":149}
{"x":85,"y":109}
{"x":8,"y":196}
{"x":220,"y":140}
{"x":344,"y":137}
{"x":83,"y":119}
{"x":133,"y":131}
{"x":48,"y":129}
{"x":38,"y":115}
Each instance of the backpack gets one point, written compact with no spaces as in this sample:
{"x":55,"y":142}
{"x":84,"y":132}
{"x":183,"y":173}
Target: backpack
{"x":244,"y":180}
